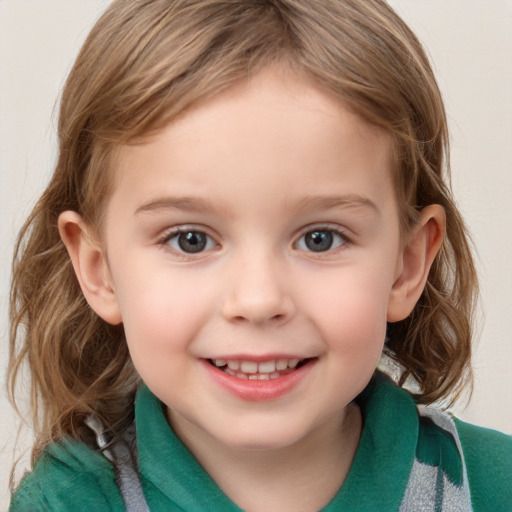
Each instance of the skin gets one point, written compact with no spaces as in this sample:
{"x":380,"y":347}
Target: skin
{"x":257,"y":169}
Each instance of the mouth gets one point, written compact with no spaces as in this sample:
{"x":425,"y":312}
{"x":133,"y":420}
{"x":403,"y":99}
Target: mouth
{"x":258,"y":370}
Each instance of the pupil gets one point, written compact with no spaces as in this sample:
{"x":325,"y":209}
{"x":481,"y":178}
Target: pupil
{"x":192,"y":241}
{"x":319,"y":241}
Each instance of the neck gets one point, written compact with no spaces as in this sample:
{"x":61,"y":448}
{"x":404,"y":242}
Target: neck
{"x":302,"y":477}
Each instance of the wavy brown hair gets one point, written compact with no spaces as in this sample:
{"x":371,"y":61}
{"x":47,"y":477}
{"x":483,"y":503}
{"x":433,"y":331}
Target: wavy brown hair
{"x":146,"y":62}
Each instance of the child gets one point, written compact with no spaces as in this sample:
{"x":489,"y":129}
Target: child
{"x":249,"y":208}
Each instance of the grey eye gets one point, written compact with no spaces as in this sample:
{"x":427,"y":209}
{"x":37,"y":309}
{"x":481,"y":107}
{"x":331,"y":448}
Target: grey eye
{"x":320,"y":240}
{"x":191,"y":242}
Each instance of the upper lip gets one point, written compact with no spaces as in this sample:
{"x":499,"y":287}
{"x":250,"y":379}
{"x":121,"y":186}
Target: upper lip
{"x":258,"y":358}
{"x":250,"y":366}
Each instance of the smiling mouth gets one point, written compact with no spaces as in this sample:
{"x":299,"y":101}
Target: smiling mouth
{"x":253,"y":370}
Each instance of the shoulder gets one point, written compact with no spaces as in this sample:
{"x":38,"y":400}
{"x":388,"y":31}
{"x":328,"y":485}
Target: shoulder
{"x":488,"y":457}
{"x":476,"y":459}
{"x":68,"y":476}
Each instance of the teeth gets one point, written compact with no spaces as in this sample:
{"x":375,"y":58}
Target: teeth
{"x":281,"y":364}
{"x":234,"y":365}
{"x":266,"y":370}
{"x":267,"y":367}
{"x":249,"y":366}
{"x":261,"y":376}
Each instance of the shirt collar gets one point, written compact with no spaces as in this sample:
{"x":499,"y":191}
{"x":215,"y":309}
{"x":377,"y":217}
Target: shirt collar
{"x":378,"y":475}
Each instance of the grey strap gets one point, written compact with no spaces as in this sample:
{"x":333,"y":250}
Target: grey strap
{"x":123,"y":456}
{"x":428,"y":489}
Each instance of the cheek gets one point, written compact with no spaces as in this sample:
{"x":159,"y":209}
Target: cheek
{"x":162,"y":314}
{"x":356,"y":326}
{"x":350,"y":310}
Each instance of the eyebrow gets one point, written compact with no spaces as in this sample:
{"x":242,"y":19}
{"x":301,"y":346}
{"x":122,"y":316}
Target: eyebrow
{"x":311,"y":203}
{"x":327,"y":202}
{"x":190,"y":204}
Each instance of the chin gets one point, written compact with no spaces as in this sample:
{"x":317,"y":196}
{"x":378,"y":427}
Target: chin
{"x":262,"y":438}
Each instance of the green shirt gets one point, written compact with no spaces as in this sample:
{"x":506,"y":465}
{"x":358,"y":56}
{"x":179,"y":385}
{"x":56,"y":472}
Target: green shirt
{"x":395,"y":442}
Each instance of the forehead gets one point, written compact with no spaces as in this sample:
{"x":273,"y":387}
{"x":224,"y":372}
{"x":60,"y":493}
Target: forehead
{"x":273,"y":133}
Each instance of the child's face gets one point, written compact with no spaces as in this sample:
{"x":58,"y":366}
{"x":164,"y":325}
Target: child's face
{"x":261,"y":228}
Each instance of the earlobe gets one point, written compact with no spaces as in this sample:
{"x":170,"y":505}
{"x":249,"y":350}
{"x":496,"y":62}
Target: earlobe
{"x":90,"y":265}
{"x":421,"y":248}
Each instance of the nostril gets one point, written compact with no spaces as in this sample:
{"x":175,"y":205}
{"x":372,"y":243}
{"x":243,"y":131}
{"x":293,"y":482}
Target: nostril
{"x":258,"y":308}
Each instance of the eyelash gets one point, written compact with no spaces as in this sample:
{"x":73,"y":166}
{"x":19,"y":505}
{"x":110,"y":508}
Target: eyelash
{"x":175,"y":233}
{"x":343,"y":239}
{"x":209,"y":242}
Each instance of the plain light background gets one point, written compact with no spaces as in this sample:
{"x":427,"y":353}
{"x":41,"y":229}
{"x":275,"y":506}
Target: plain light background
{"x":470,"y":43}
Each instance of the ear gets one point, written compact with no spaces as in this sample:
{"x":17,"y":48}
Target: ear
{"x":90,"y":265}
{"x":422,"y":246}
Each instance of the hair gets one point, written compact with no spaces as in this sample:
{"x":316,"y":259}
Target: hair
{"x":145,"y":63}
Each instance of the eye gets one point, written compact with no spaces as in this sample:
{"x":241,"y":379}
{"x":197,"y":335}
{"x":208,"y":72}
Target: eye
{"x":190,"y":241}
{"x":321,"y":240}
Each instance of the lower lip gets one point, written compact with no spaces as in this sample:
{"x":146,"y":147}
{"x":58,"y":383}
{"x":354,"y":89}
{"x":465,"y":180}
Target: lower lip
{"x":259,"y":390}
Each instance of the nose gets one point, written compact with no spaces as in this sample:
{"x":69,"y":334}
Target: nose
{"x":258,"y":292}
